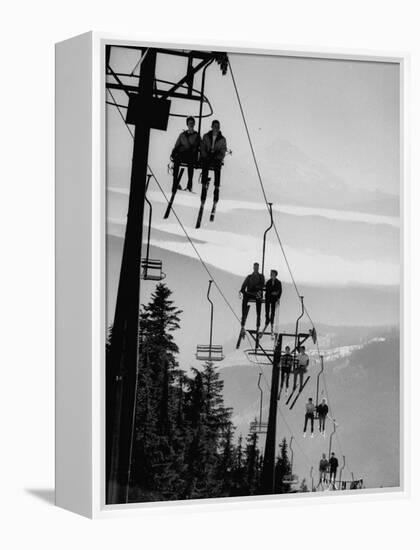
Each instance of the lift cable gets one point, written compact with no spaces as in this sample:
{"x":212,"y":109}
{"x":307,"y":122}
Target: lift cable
{"x":263,"y":190}
{"x":260,"y":178}
{"x":324,"y":377}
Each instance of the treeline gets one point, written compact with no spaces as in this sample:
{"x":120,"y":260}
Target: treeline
{"x":184,"y":445}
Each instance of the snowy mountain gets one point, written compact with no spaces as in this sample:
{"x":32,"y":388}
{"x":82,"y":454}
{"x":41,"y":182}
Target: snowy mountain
{"x":293,"y":177}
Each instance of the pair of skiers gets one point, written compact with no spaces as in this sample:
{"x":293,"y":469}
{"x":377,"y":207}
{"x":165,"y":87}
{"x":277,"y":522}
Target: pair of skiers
{"x":211,"y":149}
{"x":310,"y":410}
{"x":326,"y":466}
{"x":299,"y":370}
{"x":253,"y":289}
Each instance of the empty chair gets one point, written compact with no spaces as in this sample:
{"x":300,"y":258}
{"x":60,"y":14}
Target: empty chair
{"x":209,"y":353}
{"x":151,"y":270}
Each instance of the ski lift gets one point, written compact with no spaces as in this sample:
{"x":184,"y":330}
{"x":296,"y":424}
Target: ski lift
{"x":270,"y":209}
{"x":151,"y":270}
{"x":341,"y":471}
{"x":299,"y":340}
{"x":254,"y":299}
{"x":331,"y":437}
{"x":221,"y":59}
{"x":259,"y":427}
{"x":352,"y":485}
{"x":317,"y":382}
{"x":291,"y":479}
{"x":356,"y":484}
{"x":210,"y":352}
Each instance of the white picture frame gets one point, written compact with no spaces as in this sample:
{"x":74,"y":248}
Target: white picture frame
{"x":80,"y":276}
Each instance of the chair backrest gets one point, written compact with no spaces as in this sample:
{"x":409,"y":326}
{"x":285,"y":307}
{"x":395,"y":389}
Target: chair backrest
{"x":257,"y":427}
{"x":152,"y":270}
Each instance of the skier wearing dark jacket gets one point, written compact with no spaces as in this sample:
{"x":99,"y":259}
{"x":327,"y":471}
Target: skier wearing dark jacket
{"x":212,"y":152}
{"x":252,"y":289}
{"x":286,"y":363}
{"x":273,"y":290}
{"x":322,"y":411}
{"x":186,"y":150}
{"x":323,"y":469}
{"x":333,"y":467}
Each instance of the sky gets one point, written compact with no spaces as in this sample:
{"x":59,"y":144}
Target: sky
{"x":326,"y":138}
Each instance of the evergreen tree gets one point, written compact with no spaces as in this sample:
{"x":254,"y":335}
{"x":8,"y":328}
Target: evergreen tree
{"x":239,"y":470}
{"x":253,"y":471}
{"x":211,"y":430}
{"x":282,"y":469}
{"x":156,"y":469}
{"x":303,"y":487}
{"x":226,"y":461}
{"x":183,"y":432}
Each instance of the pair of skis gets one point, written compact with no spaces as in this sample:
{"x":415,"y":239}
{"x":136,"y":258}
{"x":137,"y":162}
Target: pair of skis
{"x":202,"y":204}
{"x":293,"y":397}
{"x":176,"y":188}
{"x":200,"y":214}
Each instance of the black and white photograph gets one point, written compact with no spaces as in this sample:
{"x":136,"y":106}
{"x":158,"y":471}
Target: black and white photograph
{"x":252,"y":274}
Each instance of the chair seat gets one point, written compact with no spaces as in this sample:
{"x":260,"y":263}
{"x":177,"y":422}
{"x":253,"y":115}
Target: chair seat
{"x":257,"y":427}
{"x":209,"y":353}
{"x":254,"y":355}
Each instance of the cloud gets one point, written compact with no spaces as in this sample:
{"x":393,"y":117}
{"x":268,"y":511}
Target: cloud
{"x":236,"y":253}
{"x":227,"y":206}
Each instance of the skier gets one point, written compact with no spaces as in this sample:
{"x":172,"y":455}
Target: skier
{"x":185,"y":150}
{"x":286,"y":366}
{"x":322,"y":411}
{"x":309,"y":415}
{"x":323,"y":469}
{"x":301,"y":368}
{"x":212,"y":152}
{"x":273,"y":290}
{"x":333,"y":468}
{"x":252,"y":289}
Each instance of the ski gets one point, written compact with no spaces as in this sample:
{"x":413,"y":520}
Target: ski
{"x":299,"y":392}
{"x":200,"y":216}
{"x":240,"y":337}
{"x":213,"y":212}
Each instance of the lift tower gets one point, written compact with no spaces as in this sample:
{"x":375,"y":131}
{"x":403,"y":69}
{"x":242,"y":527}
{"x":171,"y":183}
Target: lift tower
{"x":268,"y":478}
{"x":148,"y":107}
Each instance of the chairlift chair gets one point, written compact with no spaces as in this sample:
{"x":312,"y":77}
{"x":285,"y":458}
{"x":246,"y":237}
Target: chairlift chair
{"x":254,"y":299}
{"x":258,"y":427}
{"x":253,"y":356}
{"x":209,"y":353}
{"x":151,"y":270}
{"x":290,"y":479}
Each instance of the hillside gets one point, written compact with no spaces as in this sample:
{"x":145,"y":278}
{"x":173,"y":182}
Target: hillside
{"x":363,"y":388}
